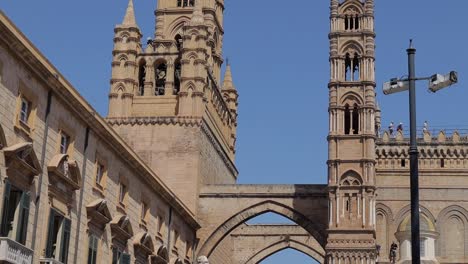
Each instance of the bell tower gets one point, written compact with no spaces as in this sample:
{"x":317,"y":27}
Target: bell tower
{"x":352,"y":133}
{"x":167,"y":100}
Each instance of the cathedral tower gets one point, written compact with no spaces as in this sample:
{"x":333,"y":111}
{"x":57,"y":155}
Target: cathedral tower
{"x":166,"y":99}
{"x":352,"y":133}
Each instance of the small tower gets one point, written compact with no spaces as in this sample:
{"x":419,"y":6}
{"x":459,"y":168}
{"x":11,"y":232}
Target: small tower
{"x":166,"y":99}
{"x":127,"y":37}
{"x":352,"y":133}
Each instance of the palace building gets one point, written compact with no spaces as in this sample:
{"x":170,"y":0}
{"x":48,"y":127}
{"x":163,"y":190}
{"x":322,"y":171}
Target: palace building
{"x":156,"y":182}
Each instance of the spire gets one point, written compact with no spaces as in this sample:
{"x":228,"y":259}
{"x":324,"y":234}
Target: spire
{"x":129,"y":18}
{"x":228,"y":83}
{"x":197,"y":16}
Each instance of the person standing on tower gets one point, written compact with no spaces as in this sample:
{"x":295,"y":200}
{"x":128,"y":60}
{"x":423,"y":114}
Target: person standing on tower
{"x":390,"y":128}
{"x":400,"y":127}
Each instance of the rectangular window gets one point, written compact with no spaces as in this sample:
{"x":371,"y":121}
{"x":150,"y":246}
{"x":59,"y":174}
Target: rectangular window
{"x":15,"y":213}
{"x":144,"y":210}
{"x":122,"y":193}
{"x":118,"y":257}
{"x":92,"y":249}
{"x":64,"y":142}
{"x":99,"y":173}
{"x":25,"y":110}
{"x":58,"y":238}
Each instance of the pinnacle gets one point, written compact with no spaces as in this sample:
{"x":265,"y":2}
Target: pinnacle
{"x":129,"y":18}
{"x":228,"y":83}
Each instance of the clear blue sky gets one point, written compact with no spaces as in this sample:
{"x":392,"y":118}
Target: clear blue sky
{"x":279,"y":55}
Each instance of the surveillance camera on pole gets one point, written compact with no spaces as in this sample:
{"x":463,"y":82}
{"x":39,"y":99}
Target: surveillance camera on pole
{"x":395,"y":86}
{"x":439,"y":81}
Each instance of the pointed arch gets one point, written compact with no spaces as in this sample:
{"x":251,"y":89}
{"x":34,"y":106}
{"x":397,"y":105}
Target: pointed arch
{"x":255,"y":210}
{"x":351,"y":7}
{"x":283,"y":244}
{"x":452,"y":222}
{"x":401,"y":215}
{"x":351,"y":98}
{"x":176,"y":27}
{"x":351,"y":178}
{"x":352,"y":47}
{"x":384,"y":217}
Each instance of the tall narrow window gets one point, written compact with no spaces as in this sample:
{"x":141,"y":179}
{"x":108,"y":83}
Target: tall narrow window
{"x":179,"y":3}
{"x":356,"y":22}
{"x":177,"y":77}
{"x":64,"y":142}
{"x":15,"y":213}
{"x":347,"y":118}
{"x":191,"y":3}
{"x":92,"y":249}
{"x":99,"y":173}
{"x":178,"y":40}
{"x":356,"y":68}
{"x":25,"y":110}
{"x":118,"y":257}
{"x":355,"y":119}
{"x":161,"y":74}
{"x":142,"y":77}
{"x":58,"y":238}
{"x":348,"y":69}
{"x":185,"y":3}
{"x":144,"y":211}
{"x":122,"y":193}
{"x":346,"y":23}
{"x":351,"y":22}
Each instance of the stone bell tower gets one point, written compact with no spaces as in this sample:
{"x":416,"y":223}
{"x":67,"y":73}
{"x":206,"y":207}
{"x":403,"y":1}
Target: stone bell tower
{"x":167,"y":99}
{"x":352,"y":133}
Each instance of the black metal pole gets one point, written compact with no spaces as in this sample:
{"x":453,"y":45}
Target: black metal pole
{"x":414,"y":181}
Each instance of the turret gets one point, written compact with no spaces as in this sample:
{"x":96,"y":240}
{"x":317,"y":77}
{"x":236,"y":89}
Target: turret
{"x":127,"y":37}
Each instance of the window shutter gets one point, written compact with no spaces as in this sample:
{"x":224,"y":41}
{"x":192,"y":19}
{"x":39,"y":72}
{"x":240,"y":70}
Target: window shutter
{"x":22,"y":229}
{"x":125,"y":259}
{"x":6,"y":203}
{"x":65,"y":241}
{"x":50,"y":234}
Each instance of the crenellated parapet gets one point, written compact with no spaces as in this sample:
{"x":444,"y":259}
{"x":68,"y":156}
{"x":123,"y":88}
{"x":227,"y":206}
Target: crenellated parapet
{"x":440,"y":151}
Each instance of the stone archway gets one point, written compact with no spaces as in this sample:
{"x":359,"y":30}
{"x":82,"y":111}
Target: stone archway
{"x":255,"y":210}
{"x":285,"y":244}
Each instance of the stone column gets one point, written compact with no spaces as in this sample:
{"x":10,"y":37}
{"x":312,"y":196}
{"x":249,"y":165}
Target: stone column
{"x":169,"y":89}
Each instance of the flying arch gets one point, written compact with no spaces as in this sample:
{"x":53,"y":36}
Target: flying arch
{"x":255,"y":210}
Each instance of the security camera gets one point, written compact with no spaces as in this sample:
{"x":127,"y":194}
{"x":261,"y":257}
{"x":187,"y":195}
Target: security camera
{"x":395,"y":86}
{"x":439,"y":81}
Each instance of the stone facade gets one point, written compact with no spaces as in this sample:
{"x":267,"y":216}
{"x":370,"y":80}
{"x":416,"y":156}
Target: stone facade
{"x":155,"y":181}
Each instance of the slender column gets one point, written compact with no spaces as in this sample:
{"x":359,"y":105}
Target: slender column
{"x":169,"y":89}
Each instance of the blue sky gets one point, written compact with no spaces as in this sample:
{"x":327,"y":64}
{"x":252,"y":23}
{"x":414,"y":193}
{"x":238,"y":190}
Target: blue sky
{"x":279,"y":56}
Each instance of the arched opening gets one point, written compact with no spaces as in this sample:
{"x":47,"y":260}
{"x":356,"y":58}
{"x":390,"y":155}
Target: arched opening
{"x":141,"y":77}
{"x":348,"y":67}
{"x":177,"y":76}
{"x":160,"y":77}
{"x":347,"y":118}
{"x":355,"y":119}
{"x":289,"y":255}
{"x":239,"y":219}
{"x":270,"y":218}
{"x":356,"y":68}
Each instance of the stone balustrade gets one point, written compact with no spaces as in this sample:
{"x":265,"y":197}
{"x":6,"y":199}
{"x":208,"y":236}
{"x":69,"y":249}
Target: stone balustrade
{"x":14,"y":252}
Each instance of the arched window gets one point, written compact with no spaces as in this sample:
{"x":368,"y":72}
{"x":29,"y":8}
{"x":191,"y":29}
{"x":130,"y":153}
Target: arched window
{"x":161,"y":75}
{"x":141,"y":77}
{"x":356,"y":68}
{"x":347,"y":67}
{"x":177,"y":77}
{"x":347,"y":118}
{"x":355,"y":119}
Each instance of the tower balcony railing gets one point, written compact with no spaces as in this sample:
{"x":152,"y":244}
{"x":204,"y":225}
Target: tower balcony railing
{"x":422,"y":134}
{"x":14,"y":252}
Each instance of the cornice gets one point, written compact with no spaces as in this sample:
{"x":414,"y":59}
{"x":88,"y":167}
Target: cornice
{"x":172,"y":120}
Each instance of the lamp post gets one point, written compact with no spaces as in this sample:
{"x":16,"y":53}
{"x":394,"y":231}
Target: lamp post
{"x":436,"y":82}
